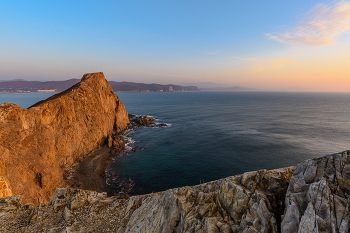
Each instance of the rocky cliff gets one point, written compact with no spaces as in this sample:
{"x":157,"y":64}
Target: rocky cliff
{"x":37,"y":143}
{"x":313,"y":197}
{"x":318,"y":196}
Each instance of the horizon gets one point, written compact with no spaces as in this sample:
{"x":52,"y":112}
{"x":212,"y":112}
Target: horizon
{"x":293,"y":46}
{"x":214,"y":88}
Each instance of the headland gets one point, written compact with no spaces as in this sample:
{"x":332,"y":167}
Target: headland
{"x":52,"y":151}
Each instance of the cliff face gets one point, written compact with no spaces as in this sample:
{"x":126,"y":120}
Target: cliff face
{"x":37,"y":143}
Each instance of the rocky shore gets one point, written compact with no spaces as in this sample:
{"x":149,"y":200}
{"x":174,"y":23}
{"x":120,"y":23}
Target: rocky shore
{"x":90,"y":172}
{"x":67,"y":140}
{"x":145,"y":121}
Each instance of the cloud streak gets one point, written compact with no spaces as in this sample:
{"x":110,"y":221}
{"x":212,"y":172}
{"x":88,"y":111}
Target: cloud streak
{"x":261,"y":65}
{"x":320,"y":26}
{"x":213,"y":52}
{"x":173,"y":75}
{"x":282,"y":61}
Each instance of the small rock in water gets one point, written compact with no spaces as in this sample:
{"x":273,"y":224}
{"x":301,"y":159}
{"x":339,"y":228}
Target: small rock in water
{"x":146,"y":121}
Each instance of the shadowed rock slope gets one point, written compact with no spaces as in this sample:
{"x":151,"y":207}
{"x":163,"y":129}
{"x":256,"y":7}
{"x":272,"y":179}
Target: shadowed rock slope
{"x":37,"y":143}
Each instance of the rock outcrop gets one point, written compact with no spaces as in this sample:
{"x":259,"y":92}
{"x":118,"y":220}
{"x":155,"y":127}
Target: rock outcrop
{"x":145,"y":121}
{"x":251,"y":202}
{"x":37,"y":143}
{"x":318,"y":196}
{"x":313,"y":197}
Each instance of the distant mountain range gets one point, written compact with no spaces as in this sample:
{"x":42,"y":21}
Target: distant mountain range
{"x":57,"y":86}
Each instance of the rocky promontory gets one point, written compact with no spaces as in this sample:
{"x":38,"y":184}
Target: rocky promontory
{"x":71,"y":130}
{"x":37,"y":144}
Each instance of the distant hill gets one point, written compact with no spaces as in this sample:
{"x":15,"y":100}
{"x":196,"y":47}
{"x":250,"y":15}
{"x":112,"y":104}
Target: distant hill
{"x":57,"y":86}
{"x":36,"y":86}
{"x":209,"y":86}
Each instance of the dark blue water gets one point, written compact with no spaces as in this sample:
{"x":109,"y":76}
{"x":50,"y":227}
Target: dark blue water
{"x":219,"y":134}
{"x":24,"y":100}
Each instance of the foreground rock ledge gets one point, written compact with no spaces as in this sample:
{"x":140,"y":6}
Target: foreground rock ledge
{"x":313,"y":197}
{"x":37,"y":143}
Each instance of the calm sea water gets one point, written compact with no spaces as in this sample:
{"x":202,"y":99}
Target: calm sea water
{"x":219,"y":134}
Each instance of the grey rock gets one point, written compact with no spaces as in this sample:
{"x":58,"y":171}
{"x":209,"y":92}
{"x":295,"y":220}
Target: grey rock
{"x":242,"y":203}
{"x":313,"y":197}
{"x":317,"y":199}
{"x":10,"y":203}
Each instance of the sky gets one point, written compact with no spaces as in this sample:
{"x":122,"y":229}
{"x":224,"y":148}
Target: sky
{"x":270,"y":45}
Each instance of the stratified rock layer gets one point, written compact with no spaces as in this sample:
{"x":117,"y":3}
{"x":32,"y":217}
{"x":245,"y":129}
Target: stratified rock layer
{"x":37,"y":143}
{"x":318,"y":196}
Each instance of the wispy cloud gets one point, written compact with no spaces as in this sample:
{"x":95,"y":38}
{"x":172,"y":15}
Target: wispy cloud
{"x":213,"y":52}
{"x":172,"y":75}
{"x":261,"y":65}
{"x":320,"y":26}
{"x":280,"y":61}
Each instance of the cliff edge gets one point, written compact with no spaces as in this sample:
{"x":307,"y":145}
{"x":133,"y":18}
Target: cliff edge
{"x":37,"y":143}
{"x":312,"y":197}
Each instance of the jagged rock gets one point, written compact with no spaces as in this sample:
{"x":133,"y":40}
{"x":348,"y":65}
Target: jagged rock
{"x":37,"y":143}
{"x":242,"y":203}
{"x":10,"y":203}
{"x":143,"y":121}
{"x":317,"y":199}
{"x":146,"y":121}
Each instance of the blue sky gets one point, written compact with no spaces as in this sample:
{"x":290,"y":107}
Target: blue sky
{"x":247,"y":43}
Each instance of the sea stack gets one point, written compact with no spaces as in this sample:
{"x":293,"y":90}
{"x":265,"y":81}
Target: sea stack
{"x":38,"y":143}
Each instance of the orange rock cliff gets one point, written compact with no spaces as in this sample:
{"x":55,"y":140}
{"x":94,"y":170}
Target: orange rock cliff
{"x":37,"y":143}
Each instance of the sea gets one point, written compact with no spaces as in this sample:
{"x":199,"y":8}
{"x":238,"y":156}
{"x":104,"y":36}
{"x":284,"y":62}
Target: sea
{"x":212,"y":135}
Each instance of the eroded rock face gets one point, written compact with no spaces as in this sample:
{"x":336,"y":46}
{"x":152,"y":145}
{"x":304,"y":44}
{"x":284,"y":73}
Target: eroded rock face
{"x":317,"y":199}
{"x":37,"y":143}
{"x":244,"y":203}
{"x":251,"y":202}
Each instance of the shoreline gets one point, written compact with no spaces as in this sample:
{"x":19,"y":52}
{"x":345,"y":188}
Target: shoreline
{"x":88,"y":172}
{"x":92,"y":172}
